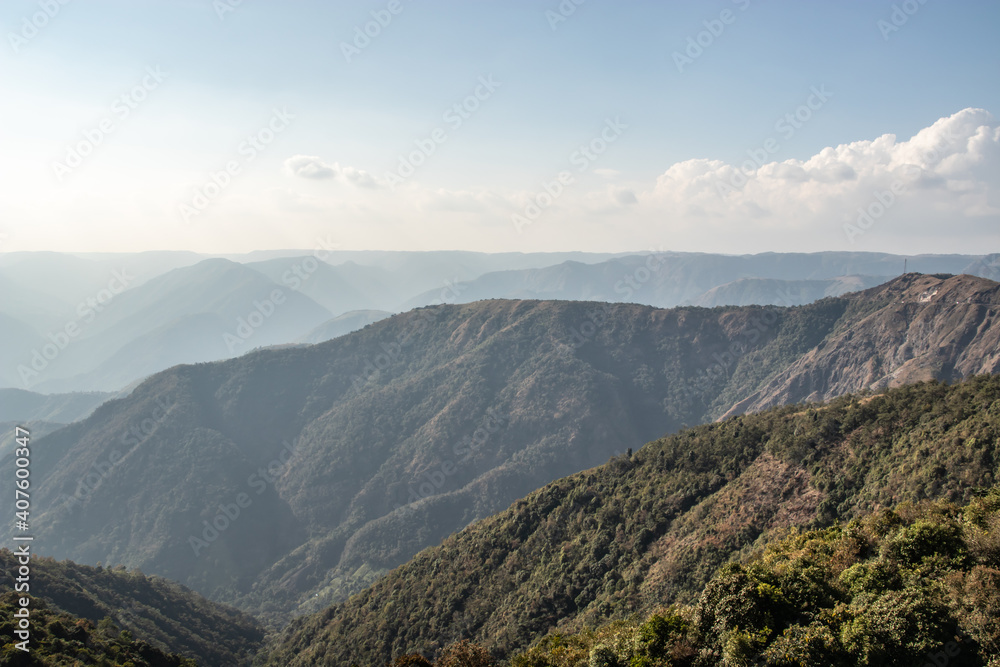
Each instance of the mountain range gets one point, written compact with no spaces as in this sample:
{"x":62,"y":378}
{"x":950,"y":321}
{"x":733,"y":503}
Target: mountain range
{"x":102,"y":322}
{"x":634,"y":548}
{"x":353,"y":455}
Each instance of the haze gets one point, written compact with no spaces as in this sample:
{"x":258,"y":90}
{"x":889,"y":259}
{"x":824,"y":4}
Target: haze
{"x":229,"y":127}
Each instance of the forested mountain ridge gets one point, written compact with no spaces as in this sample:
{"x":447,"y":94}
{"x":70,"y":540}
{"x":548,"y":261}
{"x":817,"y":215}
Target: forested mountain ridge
{"x":643,"y":532}
{"x":162,"y":613}
{"x":917,"y":584}
{"x":355,"y":454}
{"x":116,"y":318}
{"x":60,"y":639}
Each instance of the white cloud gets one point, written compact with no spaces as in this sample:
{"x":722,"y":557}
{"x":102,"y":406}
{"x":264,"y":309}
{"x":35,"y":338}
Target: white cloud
{"x":942,"y":183}
{"x":946,"y":174}
{"x":311,"y":166}
{"x":359,"y":177}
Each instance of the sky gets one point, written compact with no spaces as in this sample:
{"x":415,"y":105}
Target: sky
{"x":730,"y":126}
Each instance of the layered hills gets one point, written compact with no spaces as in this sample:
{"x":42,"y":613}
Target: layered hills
{"x":669,"y":279}
{"x":105,"y":321}
{"x":287,"y":479}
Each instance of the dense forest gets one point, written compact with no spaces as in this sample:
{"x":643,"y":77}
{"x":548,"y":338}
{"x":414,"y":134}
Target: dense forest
{"x":915,"y":584}
{"x":59,"y":639}
{"x":164,"y":614}
{"x":864,"y":531}
{"x":650,"y":530}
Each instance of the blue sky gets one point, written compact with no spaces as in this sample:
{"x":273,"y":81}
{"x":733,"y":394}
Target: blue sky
{"x":222,"y":75}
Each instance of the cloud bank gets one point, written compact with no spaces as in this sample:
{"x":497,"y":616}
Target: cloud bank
{"x":934,"y":192}
{"x":947,"y":173}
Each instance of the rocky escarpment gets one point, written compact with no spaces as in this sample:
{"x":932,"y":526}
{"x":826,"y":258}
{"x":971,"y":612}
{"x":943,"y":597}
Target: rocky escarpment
{"x":918,"y":327}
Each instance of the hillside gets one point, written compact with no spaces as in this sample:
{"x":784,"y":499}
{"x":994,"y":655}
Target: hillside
{"x":18,"y":336}
{"x":32,"y":308}
{"x":186,"y":315}
{"x":916,"y":584}
{"x":8,"y":433}
{"x":904,"y":331}
{"x":343,"y":324}
{"x":643,"y":532}
{"x":355,"y":454}
{"x":133,"y":314}
{"x":20,"y":405}
{"x":339,"y":289}
{"x":164,"y":614}
{"x":59,"y":639}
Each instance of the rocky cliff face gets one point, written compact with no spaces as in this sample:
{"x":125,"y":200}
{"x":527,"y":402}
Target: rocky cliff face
{"x":915,"y":328}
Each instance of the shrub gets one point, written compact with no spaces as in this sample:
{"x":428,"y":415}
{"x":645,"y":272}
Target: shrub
{"x":603,"y":656}
{"x":924,"y":538}
{"x":875,"y":577}
{"x":465,"y":654}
